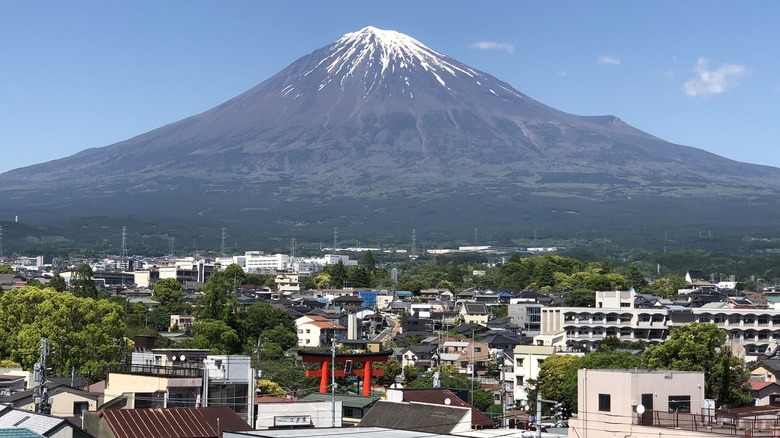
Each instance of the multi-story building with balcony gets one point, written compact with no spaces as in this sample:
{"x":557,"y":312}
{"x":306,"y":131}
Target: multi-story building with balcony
{"x":627,"y":315}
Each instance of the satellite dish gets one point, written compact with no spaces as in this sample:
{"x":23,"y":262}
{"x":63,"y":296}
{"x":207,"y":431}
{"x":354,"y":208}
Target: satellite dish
{"x":640,"y":409}
{"x":447,"y":401}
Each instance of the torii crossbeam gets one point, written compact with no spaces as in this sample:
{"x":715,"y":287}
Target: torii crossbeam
{"x":367,"y":359}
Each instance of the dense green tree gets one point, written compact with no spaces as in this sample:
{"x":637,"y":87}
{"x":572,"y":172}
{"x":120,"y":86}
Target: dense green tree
{"x":338,"y":274}
{"x":58,"y":283}
{"x":215,"y":335}
{"x":702,"y":347}
{"x":580,"y":298}
{"x":636,"y":278}
{"x":288,"y":375}
{"x":359,"y":277}
{"x":368,"y":261}
{"x":666,"y":287}
{"x":217,"y":301}
{"x":170,"y":294}
{"x":81,"y":284}
{"x":6,"y":269}
{"x":260,"y":317}
{"x":34,"y":282}
{"x":454,"y":274}
{"x":280,"y":336}
{"x":391,"y":368}
{"x":83,"y":333}
{"x":234,"y":276}
{"x":557,"y":380}
{"x":414,"y":285}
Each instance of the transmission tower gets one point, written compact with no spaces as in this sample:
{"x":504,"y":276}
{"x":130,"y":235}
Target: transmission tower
{"x":123,"y":256}
{"x":476,"y":242}
{"x":172,"y":245}
{"x":414,"y":241}
{"x":335,"y":237}
{"x":1,"y":241}
{"x":222,"y":248}
{"x":293,"y":247}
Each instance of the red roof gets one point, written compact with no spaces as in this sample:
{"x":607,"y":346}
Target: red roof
{"x":173,"y":422}
{"x":758,"y":386}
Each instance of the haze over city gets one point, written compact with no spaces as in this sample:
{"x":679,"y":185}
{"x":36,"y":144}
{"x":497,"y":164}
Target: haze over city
{"x":88,"y":76}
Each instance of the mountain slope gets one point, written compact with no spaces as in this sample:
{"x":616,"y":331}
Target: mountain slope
{"x":374,"y":118}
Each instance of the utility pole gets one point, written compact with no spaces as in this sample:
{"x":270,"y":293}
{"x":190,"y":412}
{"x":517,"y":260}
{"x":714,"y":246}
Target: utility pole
{"x":333,"y":379}
{"x":41,"y":393}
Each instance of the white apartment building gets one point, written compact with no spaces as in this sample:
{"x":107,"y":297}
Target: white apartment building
{"x":256,"y":262}
{"x":630,"y":316}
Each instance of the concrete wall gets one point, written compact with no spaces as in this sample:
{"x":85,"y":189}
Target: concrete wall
{"x":319,"y":413}
{"x":625,"y":389}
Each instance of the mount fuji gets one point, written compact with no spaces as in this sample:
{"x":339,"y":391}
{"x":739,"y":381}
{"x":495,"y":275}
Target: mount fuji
{"x":377,"y":134}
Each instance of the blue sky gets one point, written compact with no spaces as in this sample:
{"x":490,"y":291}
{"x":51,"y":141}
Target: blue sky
{"x":76,"y":75}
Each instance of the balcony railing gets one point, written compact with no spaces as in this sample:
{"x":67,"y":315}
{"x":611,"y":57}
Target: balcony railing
{"x":714,"y":424}
{"x":156,"y":370}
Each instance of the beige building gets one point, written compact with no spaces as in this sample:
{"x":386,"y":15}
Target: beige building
{"x":620,"y":403}
{"x":65,"y":401}
{"x":528,"y":361}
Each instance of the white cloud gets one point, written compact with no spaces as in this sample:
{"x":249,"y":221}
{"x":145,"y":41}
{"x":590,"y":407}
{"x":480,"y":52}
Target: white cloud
{"x":608,"y":60}
{"x":708,"y":82}
{"x":492,"y":45}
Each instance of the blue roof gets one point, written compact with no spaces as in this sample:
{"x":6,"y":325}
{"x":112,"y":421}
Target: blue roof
{"x":404,"y":293}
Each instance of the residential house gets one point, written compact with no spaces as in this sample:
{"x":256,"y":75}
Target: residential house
{"x":10,"y":384}
{"x":765,"y":393}
{"x":474,"y":313}
{"x":21,"y":421}
{"x":65,"y":401}
{"x":419,"y":417}
{"x":439,"y":396}
{"x":419,"y":355}
{"x":317,"y":331}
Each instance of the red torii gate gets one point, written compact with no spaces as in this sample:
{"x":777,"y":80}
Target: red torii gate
{"x":325,"y":360}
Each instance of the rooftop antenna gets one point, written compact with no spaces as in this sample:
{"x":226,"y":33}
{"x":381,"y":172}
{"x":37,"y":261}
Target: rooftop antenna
{"x":222,"y":248}
{"x":335,"y":237}
{"x":414,"y":241}
{"x":41,"y":393}
{"x":123,"y":256}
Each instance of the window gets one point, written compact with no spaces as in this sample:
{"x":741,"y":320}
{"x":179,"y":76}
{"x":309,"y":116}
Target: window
{"x":520,"y":362}
{"x":520,"y":380}
{"x":679,"y":403}
{"x":625,"y":304}
{"x":477,"y":349}
{"x":605,"y":402}
{"x":80,"y":407}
